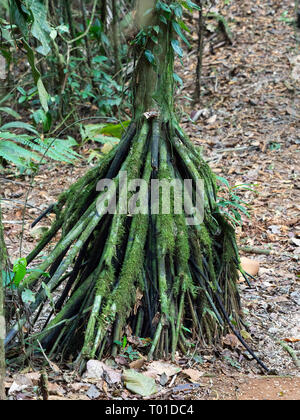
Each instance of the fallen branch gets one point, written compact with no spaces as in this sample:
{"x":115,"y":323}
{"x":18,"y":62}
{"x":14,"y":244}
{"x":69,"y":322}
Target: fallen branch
{"x":291,"y":352}
{"x":260,"y":251}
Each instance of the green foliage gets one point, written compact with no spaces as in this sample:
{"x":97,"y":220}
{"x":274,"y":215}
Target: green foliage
{"x":286,"y":19}
{"x":26,"y":151}
{"x":14,"y":279}
{"x":167,"y":14}
{"x":222,"y":23}
{"x":103,"y":133}
{"x":126,"y":350}
{"x":30,"y":17}
{"x":67,"y":76}
{"x":19,"y":270}
{"x":230,"y":204}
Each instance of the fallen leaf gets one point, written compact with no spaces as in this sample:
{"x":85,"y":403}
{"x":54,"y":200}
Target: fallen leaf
{"x":93,"y":392}
{"x":55,"y":389}
{"x":139,"y":384}
{"x":137,"y":364}
{"x":106,"y":148}
{"x":121,"y":360}
{"x":250,"y":266}
{"x":39,"y":232}
{"x":164,"y":379}
{"x":292,"y":340}
{"x":212,"y":120}
{"x":275,"y":229}
{"x":231,"y":341}
{"x":34,"y":377}
{"x":167,"y":368}
{"x":295,"y":241}
{"x":193,"y":374}
{"x":97,"y":370}
{"x":112,"y":376}
{"x":246,"y":335}
{"x":21,"y":382}
{"x":138,"y":300}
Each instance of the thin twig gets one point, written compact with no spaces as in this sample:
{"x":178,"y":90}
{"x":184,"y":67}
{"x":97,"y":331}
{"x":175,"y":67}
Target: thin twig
{"x":260,"y":251}
{"x":88,"y":27}
{"x":46,"y":358}
{"x":291,"y":352}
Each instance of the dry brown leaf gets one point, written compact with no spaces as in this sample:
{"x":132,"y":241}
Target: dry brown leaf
{"x":292,"y":340}
{"x":137,"y":364}
{"x":231,"y":341}
{"x":138,"y":300}
{"x":250,"y":266}
{"x":193,"y":374}
{"x":162,"y":367}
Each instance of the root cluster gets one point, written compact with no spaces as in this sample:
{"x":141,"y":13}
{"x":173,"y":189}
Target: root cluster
{"x":153,"y":273}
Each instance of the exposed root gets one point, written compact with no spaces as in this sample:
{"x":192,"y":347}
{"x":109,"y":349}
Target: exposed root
{"x":187,"y":274}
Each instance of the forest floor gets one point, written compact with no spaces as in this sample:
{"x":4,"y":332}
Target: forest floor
{"x":248,"y":127}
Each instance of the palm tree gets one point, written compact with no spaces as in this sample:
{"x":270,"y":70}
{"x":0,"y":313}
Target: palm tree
{"x":153,"y":273}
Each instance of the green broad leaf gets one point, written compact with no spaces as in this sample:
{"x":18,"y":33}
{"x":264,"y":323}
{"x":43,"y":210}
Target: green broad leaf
{"x":163,"y":19}
{"x":43,"y":94}
{"x":177,"y":9}
{"x":19,"y":269}
{"x":11,"y":112}
{"x":19,"y":124}
{"x":186,"y":329}
{"x":139,"y":384}
{"x":28,"y":297}
{"x":224,"y":181}
{"x":177,"y":79}
{"x":6,"y":35}
{"x":150,"y":57}
{"x":62,"y":29}
{"x":21,"y":90}
{"x":160,"y":5}
{"x":177,"y":29}
{"x":190,"y":5}
{"x":16,"y":154}
{"x":99,"y":59}
{"x":40,"y":29}
{"x":177,"y":48}
{"x":124,"y":344}
{"x":40,"y":116}
{"x":7,"y":278}
{"x":112,"y":130}
{"x":183,"y":26}
{"x":19,"y":17}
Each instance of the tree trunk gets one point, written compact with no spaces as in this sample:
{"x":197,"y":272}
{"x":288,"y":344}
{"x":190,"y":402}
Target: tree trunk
{"x":3,"y":259}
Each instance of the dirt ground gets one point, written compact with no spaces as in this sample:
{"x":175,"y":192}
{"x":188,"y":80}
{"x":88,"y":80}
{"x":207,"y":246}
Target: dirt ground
{"x":242,"y":388}
{"x":248,"y":127}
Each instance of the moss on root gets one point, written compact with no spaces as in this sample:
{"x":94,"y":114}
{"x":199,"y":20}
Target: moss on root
{"x":180,"y":270}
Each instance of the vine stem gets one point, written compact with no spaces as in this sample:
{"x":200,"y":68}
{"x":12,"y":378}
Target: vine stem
{"x":84,"y":34}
